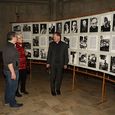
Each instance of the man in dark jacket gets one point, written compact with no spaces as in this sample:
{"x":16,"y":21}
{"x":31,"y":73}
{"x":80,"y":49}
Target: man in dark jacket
{"x":57,"y":59}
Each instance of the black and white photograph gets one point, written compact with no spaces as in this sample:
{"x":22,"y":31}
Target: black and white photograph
{"x":92,"y":60}
{"x":93,"y":24}
{"x":92,"y":42}
{"x":83,"y":40}
{"x":59,"y":27}
{"x":67,"y":27}
{"x":74,"y":26}
{"x":35,"y":28}
{"x":73,"y":42}
{"x":103,"y":62}
{"x":35,"y":52}
{"x":52,"y":27}
{"x":43,"y":28}
{"x":43,"y":41}
{"x":43,"y":53}
{"x":72,"y":57}
{"x":106,"y":23}
{"x":27,"y":44}
{"x":113,"y":28}
{"x":104,"y":43}
{"x":82,"y":58}
{"x":84,"y":25}
{"x":26,"y":27}
{"x":36,"y":41}
{"x":66,"y":39}
{"x":28,"y":53}
{"x":112,"y":64}
{"x":16,"y":28}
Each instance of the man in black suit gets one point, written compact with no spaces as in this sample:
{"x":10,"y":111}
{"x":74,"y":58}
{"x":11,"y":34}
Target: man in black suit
{"x":57,"y":59}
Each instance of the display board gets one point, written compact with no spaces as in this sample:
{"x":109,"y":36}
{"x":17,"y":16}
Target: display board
{"x":90,"y":40}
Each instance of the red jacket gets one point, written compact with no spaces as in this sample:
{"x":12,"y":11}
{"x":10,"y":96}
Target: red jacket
{"x":22,"y":56}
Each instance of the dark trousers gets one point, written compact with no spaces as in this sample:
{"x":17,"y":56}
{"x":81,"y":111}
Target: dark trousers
{"x":22,"y":80}
{"x":11,"y":86}
{"x":56,"y":77}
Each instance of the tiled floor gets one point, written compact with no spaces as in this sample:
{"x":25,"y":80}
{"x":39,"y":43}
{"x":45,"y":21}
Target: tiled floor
{"x":84,"y":100}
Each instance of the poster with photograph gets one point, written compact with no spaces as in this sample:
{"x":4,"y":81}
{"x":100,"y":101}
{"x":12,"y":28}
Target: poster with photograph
{"x":26,"y":27}
{"x":43,"y":53}
{"x":112,"y":64}
{"x":82,"y":58}
{"x":59,"y":27}
{"x":104,"y":42}
{"x":43,"y":28}
{"x":27,"y":44}
{"x":67,"y":27}
{"x":27,"y":35}
{"x":92,"y":42}
{"x":92,"y":60}
{"x":73,"y":42}
{"x":52,"y":27}
{"x":74,"y":26}
{"x":84,"y":25}
{"x":93,"y":24}
{"x":35,"y":28}
{"x":106,"y":23}
{"x":28,"y":53}
{"x":43,"y":41}
{"x":16,"y":27}
{"x":113,"y":43}
{"x":72,"y":57}
{"x":103,"y":62}
{"x":83,"y":42}
{"x":35,"y":52}
{"x":113,"y":28}
{"x":35,"y":40}
{"x":66,"y":39}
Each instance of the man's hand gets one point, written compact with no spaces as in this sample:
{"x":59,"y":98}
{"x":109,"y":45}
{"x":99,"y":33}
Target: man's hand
{"x":65,"y":66}
{"x":47,"y":65}
{"x":13,"y":76}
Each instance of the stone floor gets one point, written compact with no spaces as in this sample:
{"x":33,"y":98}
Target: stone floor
{"x":84,"y":100}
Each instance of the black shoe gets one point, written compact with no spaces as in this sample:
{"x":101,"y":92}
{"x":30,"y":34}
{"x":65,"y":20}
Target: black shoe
{"x":53,"y":93}
{"x":25,"y":92}
{"x":18,"y":95}
{"x":17,"y":105}
{"x":58,"y":92}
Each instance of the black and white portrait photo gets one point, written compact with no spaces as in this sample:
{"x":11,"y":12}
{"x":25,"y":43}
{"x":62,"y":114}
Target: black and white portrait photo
{"x":27,"y":44}
{"x":17,"y":28}
{"x":59,"y":27}
{"x":67,"y":27}
{"x":26,"y":27}
{"x":83,"y":42}
{"x":28,"y":53}
{"x":103,"y":62}
{"x":93,"y":24}
{"x":82,"y":58}
{"x":50,"y":39}
{"x":43,"y":53}
{"x":52,"y":28}
{"x":43,"y":28}
{"x":92,"y":60}
{"x":36,"y":41}
{"x":73,"y":57}
{"x":104,"y":43}
{"x":84,"y":25}
{"x":35,"y":52}
{"x":112,"y":64}
{"x":66,"y":39}
{"x":113,"y":28}
{"x":74,"y":27}
{"x":35,"y":28}
{"x":106,"y":23}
